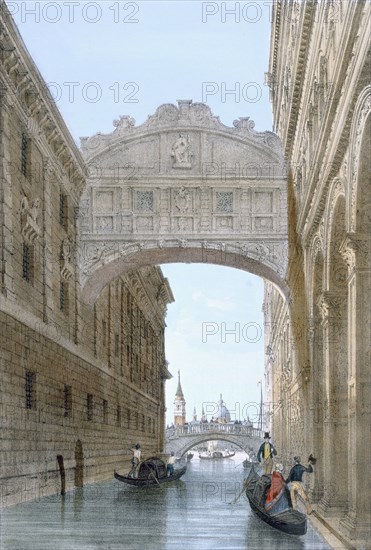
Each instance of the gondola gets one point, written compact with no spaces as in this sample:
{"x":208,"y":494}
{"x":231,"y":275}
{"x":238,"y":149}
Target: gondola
{"x":280,"y":514}
{"x":151,"y":471}
{"x":217,"y":455}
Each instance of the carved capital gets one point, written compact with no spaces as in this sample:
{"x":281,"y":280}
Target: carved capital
{"x":355,"y":251}
{"x":331,"y":304}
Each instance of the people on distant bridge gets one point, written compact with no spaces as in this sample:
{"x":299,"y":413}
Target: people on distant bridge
{"x":266,"y":453}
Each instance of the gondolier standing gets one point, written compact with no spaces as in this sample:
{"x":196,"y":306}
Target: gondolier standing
{"x":135,"y":460}
{"x":266,"y":452}
{"x":295,"y":480}
{"x":170,"y":464}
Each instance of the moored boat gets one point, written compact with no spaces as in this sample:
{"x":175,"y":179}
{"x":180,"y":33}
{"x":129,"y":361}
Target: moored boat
{"x":217,"y":455}
{"x":151,"y":471}
{"x":278,"y":512}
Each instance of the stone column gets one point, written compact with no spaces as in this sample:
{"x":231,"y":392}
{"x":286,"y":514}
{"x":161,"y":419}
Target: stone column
{"x":315,"y":436}
{"x":335,"y":448}
{"x":356,"y":252}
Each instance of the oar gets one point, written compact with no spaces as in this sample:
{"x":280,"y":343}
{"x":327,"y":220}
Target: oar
{"x":152,"y":474}
{"x":239,"y":495}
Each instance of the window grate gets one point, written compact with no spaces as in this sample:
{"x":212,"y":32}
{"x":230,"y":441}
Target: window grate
{"x":24,"y":155}
{"x":30,"y":389}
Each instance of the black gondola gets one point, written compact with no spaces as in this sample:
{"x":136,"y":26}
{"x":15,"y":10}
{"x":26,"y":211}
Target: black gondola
{"x":151,"y":471}
{"x":217,"y":455}
{"x":280,"y":515}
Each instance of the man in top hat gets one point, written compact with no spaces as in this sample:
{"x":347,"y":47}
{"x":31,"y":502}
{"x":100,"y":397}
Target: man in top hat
{"x":295,"y":480}
{"x":266,"y":452}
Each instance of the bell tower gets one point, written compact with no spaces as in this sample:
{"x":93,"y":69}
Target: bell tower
{"x":179,"y":405}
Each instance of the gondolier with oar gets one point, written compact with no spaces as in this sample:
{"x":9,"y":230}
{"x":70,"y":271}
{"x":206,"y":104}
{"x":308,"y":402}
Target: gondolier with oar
{"x":266,"y":453}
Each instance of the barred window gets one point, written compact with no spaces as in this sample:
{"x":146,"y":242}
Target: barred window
{"x":89,"y":406}
{"x":118,"y":415}
{"x":63,"y":296}
{"x":104,"y":333}
{"x":30,"y":387}
{"x":224,"y":201}
{"x":105,"y":411}
{"x":67,"y":400}
{"x":24,"y":155}
{"x":26,"y":262}
{"x":128,"y":417}
{"x":63,"y":209}
{"x":117,"y":344}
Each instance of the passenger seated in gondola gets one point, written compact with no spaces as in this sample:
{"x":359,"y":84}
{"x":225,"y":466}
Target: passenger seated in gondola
{"x":277,"y":488}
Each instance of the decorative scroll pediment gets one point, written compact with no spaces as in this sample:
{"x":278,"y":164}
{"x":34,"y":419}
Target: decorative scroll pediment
{"x":184,"y":124}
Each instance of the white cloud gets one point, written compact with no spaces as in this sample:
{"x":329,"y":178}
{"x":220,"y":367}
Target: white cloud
{"x":223,"y":305}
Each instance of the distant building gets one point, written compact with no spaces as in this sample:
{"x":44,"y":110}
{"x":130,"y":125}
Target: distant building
{"x":222,"y":415}
{"x":179,"y":405}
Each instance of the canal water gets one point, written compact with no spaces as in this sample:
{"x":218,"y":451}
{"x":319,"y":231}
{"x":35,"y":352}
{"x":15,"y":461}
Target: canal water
{"x":194,"y":513}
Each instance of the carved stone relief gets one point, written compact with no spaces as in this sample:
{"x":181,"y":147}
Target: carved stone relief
{"x":30,"y":211}
{"x":156,"y":187}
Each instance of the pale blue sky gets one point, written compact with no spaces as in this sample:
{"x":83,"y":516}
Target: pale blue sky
{"x":133,"y":57}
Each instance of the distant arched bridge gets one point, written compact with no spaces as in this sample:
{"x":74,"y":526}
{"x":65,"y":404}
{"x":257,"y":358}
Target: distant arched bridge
{"x":182,"y":438}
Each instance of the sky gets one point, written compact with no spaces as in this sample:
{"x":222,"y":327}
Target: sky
{"x":105,"y":59}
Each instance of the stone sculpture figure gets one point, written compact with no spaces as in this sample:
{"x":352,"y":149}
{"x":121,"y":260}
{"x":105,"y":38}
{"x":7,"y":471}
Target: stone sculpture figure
{"x":181,"y":152}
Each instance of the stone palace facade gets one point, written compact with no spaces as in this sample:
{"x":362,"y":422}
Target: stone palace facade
{"x":81,"y":383}
{"x":317,"y":343}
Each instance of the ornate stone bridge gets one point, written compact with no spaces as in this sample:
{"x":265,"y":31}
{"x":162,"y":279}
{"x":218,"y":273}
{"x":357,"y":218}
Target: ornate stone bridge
{"x":182,"y":438}
{"x":183,"y":187}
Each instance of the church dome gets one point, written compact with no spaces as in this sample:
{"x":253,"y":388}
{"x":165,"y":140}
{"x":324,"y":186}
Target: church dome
{"x":222,"y":413}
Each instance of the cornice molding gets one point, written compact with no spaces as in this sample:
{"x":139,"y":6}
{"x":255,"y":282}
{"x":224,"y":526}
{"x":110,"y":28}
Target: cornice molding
{"x":23,"y":87}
